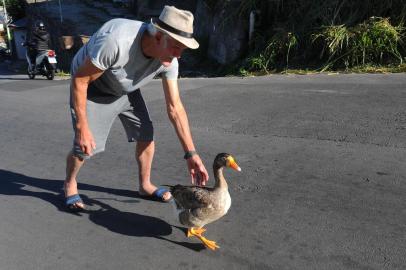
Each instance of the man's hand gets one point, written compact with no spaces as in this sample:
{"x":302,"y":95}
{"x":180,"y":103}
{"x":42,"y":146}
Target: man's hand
{"x":84,"y":138}
{"x":198,"y":172}
{"x":86,"y":74}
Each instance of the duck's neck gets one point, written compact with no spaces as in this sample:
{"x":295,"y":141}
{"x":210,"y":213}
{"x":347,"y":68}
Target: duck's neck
{"x":219,"y":177}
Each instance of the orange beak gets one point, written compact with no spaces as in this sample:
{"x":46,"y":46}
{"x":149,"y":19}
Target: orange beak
{"x":233,"y":164}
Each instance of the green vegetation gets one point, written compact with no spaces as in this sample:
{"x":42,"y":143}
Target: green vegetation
{"x":277,"y":50}
{"x":61,"y":73}
{"x":325,"y":35}
{"x":374,"y":41}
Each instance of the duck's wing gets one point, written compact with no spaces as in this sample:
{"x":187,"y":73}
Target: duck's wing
{"x":191,"y":197}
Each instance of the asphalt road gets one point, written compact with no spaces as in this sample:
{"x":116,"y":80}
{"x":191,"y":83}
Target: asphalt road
{"x":322,"y":186}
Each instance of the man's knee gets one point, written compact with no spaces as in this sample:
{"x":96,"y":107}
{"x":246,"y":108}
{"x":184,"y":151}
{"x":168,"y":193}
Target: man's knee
{"x":147,"y":147}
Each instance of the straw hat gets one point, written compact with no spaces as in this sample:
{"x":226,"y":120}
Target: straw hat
{"x":178,"y":24}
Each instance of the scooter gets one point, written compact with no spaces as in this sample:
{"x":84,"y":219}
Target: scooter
{"x":47,"y":66}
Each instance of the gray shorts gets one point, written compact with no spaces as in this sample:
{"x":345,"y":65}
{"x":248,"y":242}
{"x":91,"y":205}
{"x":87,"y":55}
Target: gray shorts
{"x":101,"y":113}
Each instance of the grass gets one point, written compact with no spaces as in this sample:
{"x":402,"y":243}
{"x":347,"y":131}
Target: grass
{"x":372,"y":45}
{"x":61,"y":73}
{"x":372,"y":41}
{"x":357,"y":69}
{"x":379,"y":69}
{"x":332,"y":34}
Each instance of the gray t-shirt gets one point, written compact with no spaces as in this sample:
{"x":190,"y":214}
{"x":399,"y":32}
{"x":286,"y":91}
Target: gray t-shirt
{"x":116,"y":49}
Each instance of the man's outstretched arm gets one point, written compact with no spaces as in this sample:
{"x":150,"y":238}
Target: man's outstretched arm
{"x":177,"y":115}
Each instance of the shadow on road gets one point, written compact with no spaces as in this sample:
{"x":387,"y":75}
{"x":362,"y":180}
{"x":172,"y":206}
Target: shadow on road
{"x":133,"y":224}
{"x":14,"y":79}
{"x":102,"y":214}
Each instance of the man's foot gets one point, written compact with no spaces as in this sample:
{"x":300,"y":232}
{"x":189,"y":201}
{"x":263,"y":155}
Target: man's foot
{"x":72,"y":199}
{"x":161,"y":193}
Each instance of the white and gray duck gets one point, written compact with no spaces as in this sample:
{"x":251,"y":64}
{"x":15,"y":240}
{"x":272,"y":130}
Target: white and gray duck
{"x":197,"y":205}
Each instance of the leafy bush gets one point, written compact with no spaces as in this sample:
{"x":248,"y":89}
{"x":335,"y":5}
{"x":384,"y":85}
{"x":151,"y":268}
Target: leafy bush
{"x":358,"y":33}
{"x":277,"y":50}
{"x":374,"y":41}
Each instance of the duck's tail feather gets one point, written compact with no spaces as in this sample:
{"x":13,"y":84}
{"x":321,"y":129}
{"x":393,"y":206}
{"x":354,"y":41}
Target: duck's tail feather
{"x":175,"y":204}
{"x":176,"y":209}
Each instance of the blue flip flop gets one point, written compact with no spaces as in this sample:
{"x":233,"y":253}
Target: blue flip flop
{"x":70,"y":202}
{"x":157,"y":195}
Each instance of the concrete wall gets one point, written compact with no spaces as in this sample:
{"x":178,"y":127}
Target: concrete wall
{"x":223,"y":36}
{"x":219,"y":29}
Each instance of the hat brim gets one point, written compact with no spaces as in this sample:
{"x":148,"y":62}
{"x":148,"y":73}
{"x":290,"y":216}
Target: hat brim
{"x":188,"y":42}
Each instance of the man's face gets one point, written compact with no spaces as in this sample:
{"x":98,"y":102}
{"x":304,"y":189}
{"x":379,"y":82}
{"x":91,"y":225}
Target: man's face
{"x":169,"y":49}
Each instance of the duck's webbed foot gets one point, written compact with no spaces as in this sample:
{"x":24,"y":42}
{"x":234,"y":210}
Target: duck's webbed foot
{"x":209,"y":243}
{"x":198,"y":233}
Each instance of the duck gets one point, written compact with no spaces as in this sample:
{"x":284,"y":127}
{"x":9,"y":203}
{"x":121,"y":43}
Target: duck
{"x":197,"y":206}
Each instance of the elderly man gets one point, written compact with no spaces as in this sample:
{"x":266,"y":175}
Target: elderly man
{"x":122,"y":56}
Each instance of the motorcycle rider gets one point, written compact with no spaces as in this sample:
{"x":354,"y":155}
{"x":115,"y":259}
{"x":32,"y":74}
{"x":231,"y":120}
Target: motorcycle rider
{"x":40,"y":42}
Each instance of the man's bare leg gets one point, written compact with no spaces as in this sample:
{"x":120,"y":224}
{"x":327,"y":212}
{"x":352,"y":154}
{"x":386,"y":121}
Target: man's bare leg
{"x":73,"y":165}
{"x":144,"y":155}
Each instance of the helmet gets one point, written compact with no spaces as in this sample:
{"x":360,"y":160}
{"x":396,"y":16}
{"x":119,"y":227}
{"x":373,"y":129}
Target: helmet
{"x":40,"y":25}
